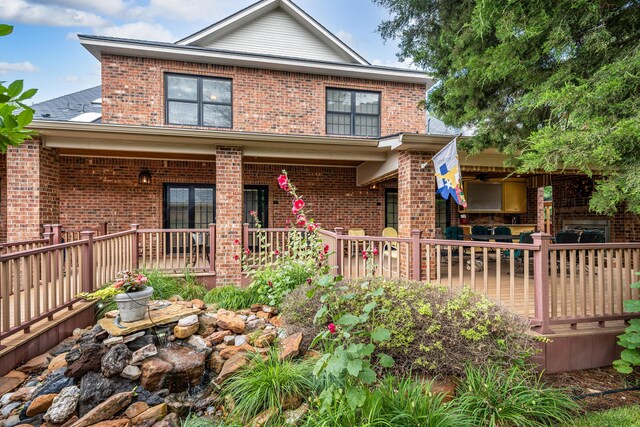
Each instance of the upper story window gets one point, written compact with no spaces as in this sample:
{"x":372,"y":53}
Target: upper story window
{"x":351,"y":112}
{"x":198,"y":101}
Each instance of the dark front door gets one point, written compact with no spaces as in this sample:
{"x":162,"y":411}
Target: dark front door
{"x":189,"y":205}
{"x":256,"y":198}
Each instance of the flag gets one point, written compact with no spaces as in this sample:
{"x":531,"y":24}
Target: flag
{"x":448,"y":174}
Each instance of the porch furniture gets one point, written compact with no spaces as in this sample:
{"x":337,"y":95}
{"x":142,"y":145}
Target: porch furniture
{"x":200,"y":246}
{"x":453,"y":232}
{"x":503,"y":231}
{"x":480,"y":230}
{"x":592,"y":236}
{"x":354,"y":245}
{"x":567,"y":237}
{"x":519,"y":253}
{"x":393,"y":233}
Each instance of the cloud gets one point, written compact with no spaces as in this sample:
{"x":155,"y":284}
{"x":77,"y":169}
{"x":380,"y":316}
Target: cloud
{"x":137,"y":30}
{"x":394,"y":64}
{"x":188,"y":10}
{"x":51,"y":15}
{"x":24,"y":67}
{"x":107,"y":7}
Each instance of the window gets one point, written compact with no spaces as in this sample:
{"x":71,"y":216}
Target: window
{"x":353,"y":112}
{"x":256,"y":199}
{"x":198,"y":101}
{"x":443,"y":213}
{"x":189,"y":206}
{"x":391,"y":208}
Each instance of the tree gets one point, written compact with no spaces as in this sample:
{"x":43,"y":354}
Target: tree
{"x":554,"y":84}
{"x":14,"y":114}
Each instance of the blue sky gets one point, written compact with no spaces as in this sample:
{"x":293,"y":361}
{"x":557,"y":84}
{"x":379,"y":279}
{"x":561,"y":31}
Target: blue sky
{"x":44,"y":51}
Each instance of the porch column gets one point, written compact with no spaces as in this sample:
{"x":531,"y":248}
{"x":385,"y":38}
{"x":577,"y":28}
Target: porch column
{"x":416,"y":202}
{"x":32,"y":188}
{"x":229,"y":209}
{"x":539,"y":206}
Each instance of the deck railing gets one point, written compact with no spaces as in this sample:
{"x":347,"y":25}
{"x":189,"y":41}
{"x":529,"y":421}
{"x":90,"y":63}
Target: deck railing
{"x":7,"y":248}
{"x":176,"y":250}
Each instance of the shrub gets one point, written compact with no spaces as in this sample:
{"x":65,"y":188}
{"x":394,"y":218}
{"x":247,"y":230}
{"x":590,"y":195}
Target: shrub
{"x":273,"y":282}
{"x":434,"y":330}
{"x":233,"y":298}
{"x":491,"y":396}
{"x":630,"y":339}
{"x":267,"y":383}
{"x":405,"y":402}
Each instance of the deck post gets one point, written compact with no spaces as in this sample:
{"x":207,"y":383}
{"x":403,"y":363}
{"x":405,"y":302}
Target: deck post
{"x":46,"y":228}
{"x":134,"y":244}
{"x":339,"y":252}
{"x":416,"y":268}
{"x":212,"y":248}
{"x":56,"y":229}
{"x":541,"y":280}
{"x":87,"y":261}
{"x":102,"y":229}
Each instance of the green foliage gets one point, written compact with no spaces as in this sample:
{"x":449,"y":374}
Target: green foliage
{"x":494,"y":397}
{"x":267,"y":383}
{"x":405,"y":402}
{"x":630,"y":339}
{"x":628,"y":416}
{"x":433,"y":330}
{"x":552,"y":83}
{"x":193,"y":420}
{"x":273,"y":282}
{"x":14,"y":114}
{"x":233,"y":298}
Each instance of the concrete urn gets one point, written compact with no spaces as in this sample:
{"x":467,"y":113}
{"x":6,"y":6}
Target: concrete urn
{"x":132,"y":306}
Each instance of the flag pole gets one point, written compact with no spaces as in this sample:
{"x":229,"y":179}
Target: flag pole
{"x":424,"y":165}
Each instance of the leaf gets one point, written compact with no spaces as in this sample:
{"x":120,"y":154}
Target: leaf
{"x":385,"y":360}
{"x":15,"y":88}
{"x":356,"y":397}
{"x":311,"y":293}
{"x":378,"y":292}
{"x":348,"y":319}
{"x":320,"y":364}
{"x":354,"y":367}
{"x":622,"y":366}
{"x":632,"y":306}
{"x":367,"y":376}
{"x":24,"y":118}
{"x":368,"y":307}
{"x":631,"y":356}
{"x":320,"y":314}
{"x":381,"y":334}
{"x":5,"y":29}
{"x":27,"y":94}
{"x":368,"y":350}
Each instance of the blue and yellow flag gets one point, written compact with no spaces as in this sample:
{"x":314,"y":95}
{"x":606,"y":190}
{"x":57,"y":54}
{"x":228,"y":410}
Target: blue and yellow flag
{"x":448,"y":174}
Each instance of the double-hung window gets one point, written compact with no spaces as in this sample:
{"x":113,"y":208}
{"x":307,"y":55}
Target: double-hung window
{"x":198,"y":101}
{"x":351,"y":112}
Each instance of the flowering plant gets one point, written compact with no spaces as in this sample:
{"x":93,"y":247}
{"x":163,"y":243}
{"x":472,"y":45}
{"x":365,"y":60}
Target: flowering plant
{"x":126,"y":281}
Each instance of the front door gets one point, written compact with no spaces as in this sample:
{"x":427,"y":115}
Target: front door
{"x":187,"y":206}
{"x":256,"y":198}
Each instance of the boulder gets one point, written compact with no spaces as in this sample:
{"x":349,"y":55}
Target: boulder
{"x":240,"y":340}
{"x":276,"y":321}
{"x":293,"y":416}
{"x":152,"y":414}
{"x":130,"y":338}
{"x":63,"y":405}
{"x":170,"y":420}
{"x":113,"y":341}
{"x":115,"y":360}
{"x":255,"y":324}
{"x":215,"y":363}
{"x":290,"y":346}
{"x":40,"y":404}
{"x":229,"y":340}
{"x":120,"y":422}
{"x":187,"y":367}
{"x":89,"y":360}
{"x":269,"y":309}
{"x":106,"y":409}
{"x":54,"y":383}
{"x":207,"y":324}
{"x":263,"y":315}
{"x":199,"y":304}
{"x":142,"y":341}
{"x":63,"y":347}
{"x":154,"y":372}
{"x":8,"y":409}
{"x":131,"y":372}
{"x":37,"y":364}
{"x":229,"y":352}
{"x":231,"y":366}
{"x":264,"y":417}
{"x":198,"y":343}
{"x":136,"y":409}
{"x":186,"y":327}
{"x":143,"y":353}
{"x":265,"y":339}
{"x":256,"y":307}
{"x":58,"y":362}
{"x":230,"y":321}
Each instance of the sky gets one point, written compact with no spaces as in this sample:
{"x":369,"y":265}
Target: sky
{"x":45,"y":52}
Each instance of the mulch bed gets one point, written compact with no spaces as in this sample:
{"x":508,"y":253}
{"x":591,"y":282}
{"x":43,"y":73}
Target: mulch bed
{"x":596,"y":380}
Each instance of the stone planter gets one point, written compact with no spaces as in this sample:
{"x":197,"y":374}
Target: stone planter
{"x":132,"y":306}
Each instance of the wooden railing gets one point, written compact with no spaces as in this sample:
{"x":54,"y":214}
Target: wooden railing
{"x":177,"y":250}
{"x":111,"y":254}
{"x":7,"y":248}
{"x":72,"y":234}
{"x":262,"y":245}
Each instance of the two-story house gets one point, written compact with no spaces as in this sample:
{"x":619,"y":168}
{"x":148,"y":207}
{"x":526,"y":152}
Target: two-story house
{"x":180,"y":135}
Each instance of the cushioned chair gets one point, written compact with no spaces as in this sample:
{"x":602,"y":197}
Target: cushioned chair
{"x":502,"y":231}
{"x":354,"y":245}
{"x":592,"y":236}
{"x":480,"y":230}
{"x":567,"y":237}
{"x":390,"y":232}
{"x":453,"y":233}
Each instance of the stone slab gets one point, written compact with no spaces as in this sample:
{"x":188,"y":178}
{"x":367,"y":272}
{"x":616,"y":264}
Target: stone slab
{"x":169,"y":314}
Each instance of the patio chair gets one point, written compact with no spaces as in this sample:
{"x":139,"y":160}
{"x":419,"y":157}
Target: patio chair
{"x":480,"y":230}
{"x":518,"y":254}
{"x":453,"y":232}
{"x":567,"y":237}
{"x":353,"y":245}
{"x":502,"y":231}
{"x":390,"y":232}
{"x":201,"y":245}
{"x":592,"y":236}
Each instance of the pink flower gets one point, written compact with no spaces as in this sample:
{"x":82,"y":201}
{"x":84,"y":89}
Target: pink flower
{"x":375,"y":251}
{"x":364,"y":255}
{"x":276,"y":252}
{"x":270,"y":283}
{"x":283,"y":182}
{"x":309,"y":280}
{"x":332,"y":328}
{"x":301,"y":220}
{"x":297,"y":205}
{"x":253,"y":213}
{"x":321,"y":257}
{"x":236,"y":257}
{"x":325,"y":249}
{"x":247,"y":251}
{"x":311,"y":227}
{"x":236,"y":242}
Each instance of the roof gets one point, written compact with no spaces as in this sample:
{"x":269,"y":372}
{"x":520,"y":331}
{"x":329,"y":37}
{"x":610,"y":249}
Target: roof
{"x":72,"y":107}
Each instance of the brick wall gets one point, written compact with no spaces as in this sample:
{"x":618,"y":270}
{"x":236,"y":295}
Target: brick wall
{"x":571,"y":196}
{"x":32,"y":196}
{"x":3,"y":198}
{"x":263,"y":100}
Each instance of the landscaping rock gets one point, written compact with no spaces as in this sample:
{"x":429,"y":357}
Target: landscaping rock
{"x":276,"y":321}
{"x":231,"y":366}
{"x":445,"y":387}
{"x":170,"y":420}
{"x":290,"y":346}
{"x":240,"y":340}
{"x":6,"y":399}
{"x":38,"y":363}
{"x":263,"y":315}
{"x":106,"y":409}
{"x":22,"y":394}
{"x":95,"y":389}
{"x":152,"y":414}
{"x":129,"y":338}
{"x":265,"y":339}
{"x":8,"y":409}
{"x":270,"y":310}
{"x":215,"y":363}
{"x":63,"y":347}
{"x":230,"y":321}
{"x":58,"y":362}
{"x":229,"y":352}
{"x":136,"y":409}
{"x":186,"y":327}
{"x":40,"y":404}
{"x":154,"y":372}
{"x":187,"y":367}
{"x":143,"y":353}
{"x":131,"y":372}
{"x":218,"y":337}
{"x":113,"y":341}
{"x":198,"y":343}
{"x":293,"y":416}
{"x":142,"y":341}
{"x":89,"y":360}
{"x":207,"y":324}
{"x":162,"y":316}
{"x":264,"y":417}
{"x":255,"y":324}
{"x":120,"y":422}
{"x":12,"y":421}
{"x":199,"y":304}
{"x":54,"y":383}
{"x":115,"y":360}
{"x":63,"y":405}
{"x":229,"y":340}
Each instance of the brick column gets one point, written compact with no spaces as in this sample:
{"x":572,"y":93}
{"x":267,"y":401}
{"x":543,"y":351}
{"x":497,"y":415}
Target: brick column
{"x":416,"y":201}
{"x":3,"y":198}
{"x":539,"y":206}
{"x":33,"y":194}
{"x":229,"y":214}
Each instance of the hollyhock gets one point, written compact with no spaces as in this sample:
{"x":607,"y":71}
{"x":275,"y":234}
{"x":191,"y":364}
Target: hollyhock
{"x":253,"y":213}
{"x":325,"y":249}
{"x":301,"y":220}
{"x":332,"y":328}
{"x":311,"y":227}
{"x":375,"y":251}
{"x":236,"y":257}
{"x":297,"y":205}
{"x":247,"y":251}
{"x":236,"y":242}
{"x":283,"y":182}
{"x":364,"y":255}
{"x":276,"y":252}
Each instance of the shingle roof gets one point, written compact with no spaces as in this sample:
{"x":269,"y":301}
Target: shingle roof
{"x":66,"y":107}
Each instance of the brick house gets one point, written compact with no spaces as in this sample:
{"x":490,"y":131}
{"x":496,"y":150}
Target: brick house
{"x":180,"y":135}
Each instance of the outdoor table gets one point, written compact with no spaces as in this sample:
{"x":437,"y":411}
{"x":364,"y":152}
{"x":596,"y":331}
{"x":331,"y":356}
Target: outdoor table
{"x":488,"y":237}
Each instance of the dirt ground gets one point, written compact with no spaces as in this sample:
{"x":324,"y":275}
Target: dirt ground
{"x":597,"y":380}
